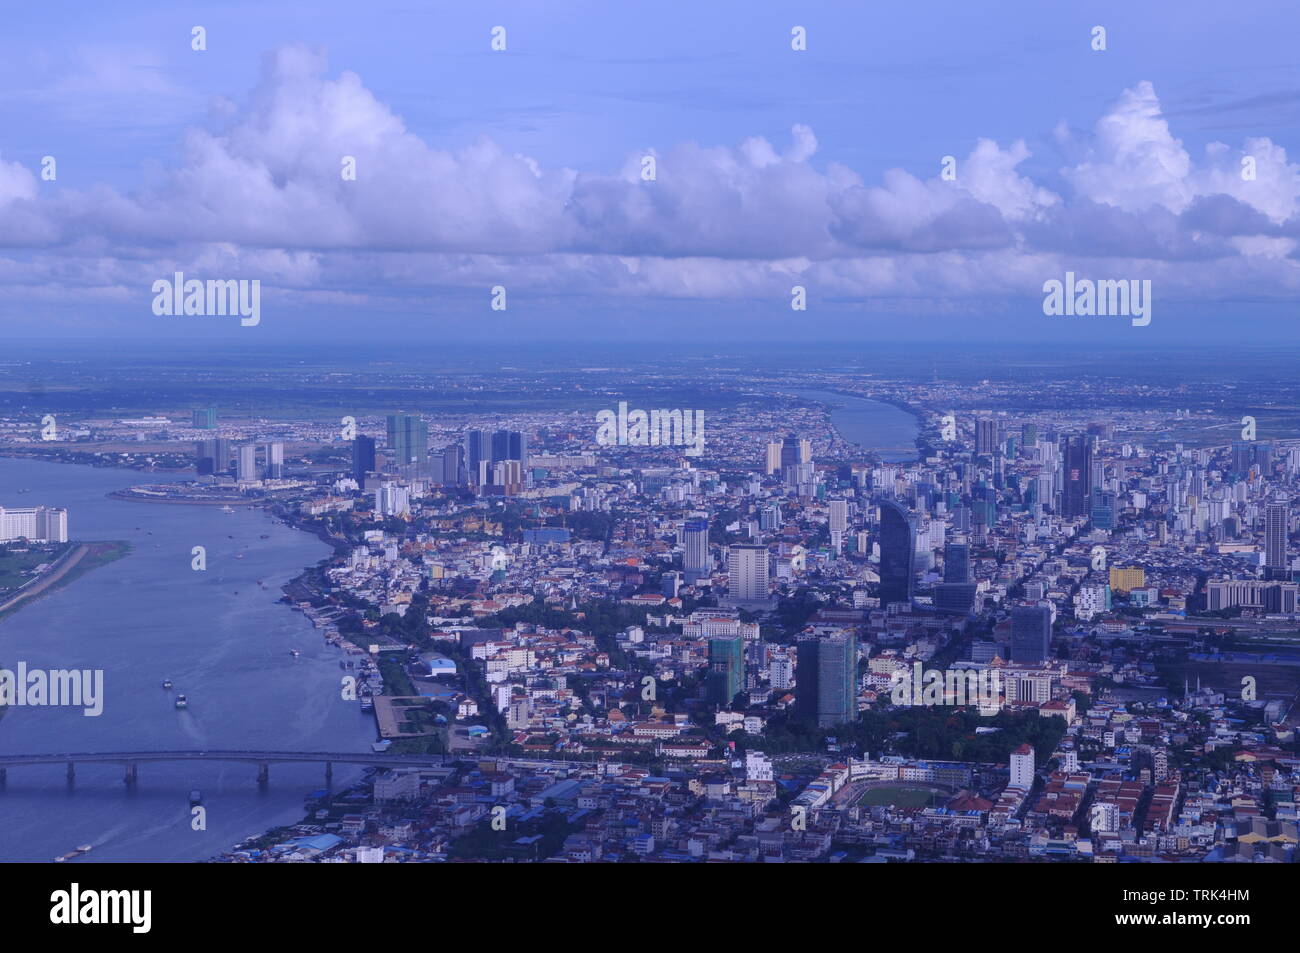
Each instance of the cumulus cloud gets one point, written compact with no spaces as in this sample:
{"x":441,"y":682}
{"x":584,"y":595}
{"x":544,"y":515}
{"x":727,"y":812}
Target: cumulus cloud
{"x":260,"y":194}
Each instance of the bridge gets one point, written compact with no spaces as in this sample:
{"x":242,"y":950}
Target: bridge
{"x":130,"y":760}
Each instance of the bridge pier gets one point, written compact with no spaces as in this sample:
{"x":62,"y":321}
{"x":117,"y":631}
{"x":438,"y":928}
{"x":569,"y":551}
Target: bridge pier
{"x":4,"y":776}
{"x":329,"y":773}
{"x":129,"y":778}
{"x":72,"y":772}
{"x":263,"y":773}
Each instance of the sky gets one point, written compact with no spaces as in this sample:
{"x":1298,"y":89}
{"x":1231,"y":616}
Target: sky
{"x":774,"y":168}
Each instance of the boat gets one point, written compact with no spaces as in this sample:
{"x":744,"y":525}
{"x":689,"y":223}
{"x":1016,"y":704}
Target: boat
{"x":167,"y":683}
{"x":239,"y":555}
{"x":84,"y":848}
{"x":265,"y":536}
{"x":196,"y":797}
{"x":227,"y":509}
{"x":381,"y":745}
{"x":181,"y":702}
{"x":294,"y":652}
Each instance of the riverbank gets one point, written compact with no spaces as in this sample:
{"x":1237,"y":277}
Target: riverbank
{"x":73,"y":564}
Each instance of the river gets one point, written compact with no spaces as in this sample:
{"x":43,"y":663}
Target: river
{"x":871,"y":424}
{"x":223,"y":640}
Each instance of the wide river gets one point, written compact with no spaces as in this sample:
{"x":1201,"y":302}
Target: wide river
{"x":223,"y":640}
{"x":871,"y":424}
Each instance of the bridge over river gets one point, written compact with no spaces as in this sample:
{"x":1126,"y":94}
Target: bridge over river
{"x":130,"y":760}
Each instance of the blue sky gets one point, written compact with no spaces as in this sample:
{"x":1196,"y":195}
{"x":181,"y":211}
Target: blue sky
{"x":776,"y":168}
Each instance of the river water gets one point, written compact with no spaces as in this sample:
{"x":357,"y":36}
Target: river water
{"x":871,"y":424}
{"x":218,"y":635}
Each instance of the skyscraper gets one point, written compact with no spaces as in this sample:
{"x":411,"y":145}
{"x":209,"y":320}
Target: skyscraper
{"x":1077,"y":479}
{"x":363,"y":458}
{"x":897,"y":554}
{"x":477,"y":450}
{"x":205,"y":419}
{"x":509,"y":445}
{"x":826,"y":679}
{"x":1031,"y":633}
{"x":726,"y":676}
{"x":1242,"y":457}
{"x":696,"y":563}
{"x":747,"y":569}
{"x":408,"y":439}
{"x":795,"y":451}
{"x":1103,"y":509}
{"x":275,"y":460}
{"x":986,"y":434}
{"x":773,"y":458}
{"x":246,"y":465}
{"x":212,"y":456}
{"x":956,"y":562}
{"x":1277,"y":518}
{"x":453,"y":465}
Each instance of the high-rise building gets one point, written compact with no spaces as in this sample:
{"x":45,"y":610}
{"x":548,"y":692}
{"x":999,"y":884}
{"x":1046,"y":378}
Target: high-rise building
{"x":1077,"y":479}
{"x":478,"y":448}
{"x":363,"y":458}
{"x":826,"y":679}
{"x":1022,"y":768}
{"x":1242,"y":457}
{"x":1277,"y":518}
{"x":1031,"y":634}
{"x":408,"y":439}
{"x":696,"y":562}
{"x":956,"y":562}
{"x":453,"y":465}
{"x":392,"y":499}
{"x":986,"y":434}
{"x":1028,"y":435}
{"x":897,"y":554}
{"x":205,"y":419}
{"x":509,"y":445}
{"x":1103,"y":509}
{"x":726,"y":678}
{"x":36,"y":524}
{"x":211,"y":456}
{"x":748,"y":572}
{"x":795,"y":451}
{"x":246,"y":463}
{"x":773,"y":458}
{"x":275,"y":461}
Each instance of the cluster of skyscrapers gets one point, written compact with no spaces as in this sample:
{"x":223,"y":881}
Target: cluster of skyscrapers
{"x":493,"y":461}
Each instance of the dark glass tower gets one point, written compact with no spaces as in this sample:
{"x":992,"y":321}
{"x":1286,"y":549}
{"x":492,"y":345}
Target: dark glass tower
{"x":826,"y":679}
{"x":897,"y":554}
{"x":726,"y":669}
{"x":363,"y":458}
{"x":1077,"y":484}
{"x":1031,"y":634}
{"x":408,"y":439}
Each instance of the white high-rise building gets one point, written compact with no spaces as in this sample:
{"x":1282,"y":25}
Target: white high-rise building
{"x":37,"y":524}
{"x":246,"y":464}
{"x":747,"y":567}
{"x":392,"y":500}
{"x":1022,"y":768}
